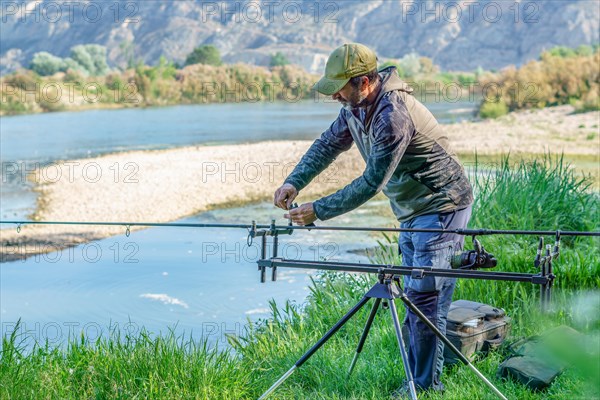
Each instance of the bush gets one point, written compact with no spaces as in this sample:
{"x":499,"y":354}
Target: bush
{"x":12,"y":107}
{"x":558,"y":78}
{"x":279,"y":60}
{"x":92,"y":57}
{"x":493,"y":109}
{"x":206,"y":54}
{"x":591,"y":102}
{"x":23,"y":79}
{"x":45,"y":64}
{"x":567,"y":52}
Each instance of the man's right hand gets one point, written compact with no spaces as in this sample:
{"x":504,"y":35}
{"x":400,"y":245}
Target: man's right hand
{"x":285,"y":195}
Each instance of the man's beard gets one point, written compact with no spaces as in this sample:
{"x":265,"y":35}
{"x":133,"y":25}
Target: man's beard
{"x":356,"y":100}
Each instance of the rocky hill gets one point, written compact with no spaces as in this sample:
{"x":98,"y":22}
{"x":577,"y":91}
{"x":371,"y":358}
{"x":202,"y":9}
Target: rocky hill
{"x":457,"y":35}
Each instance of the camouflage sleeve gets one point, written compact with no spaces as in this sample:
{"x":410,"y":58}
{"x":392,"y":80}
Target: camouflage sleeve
{"x":393,"y":130}
{"x":335,"y":140}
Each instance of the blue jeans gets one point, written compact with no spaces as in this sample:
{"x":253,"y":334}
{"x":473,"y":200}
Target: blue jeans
{"x":431,"y":295}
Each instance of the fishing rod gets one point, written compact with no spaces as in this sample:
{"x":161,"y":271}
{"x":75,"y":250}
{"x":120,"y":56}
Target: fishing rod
{"x":465,"y":263}
{"x":289,"y":227}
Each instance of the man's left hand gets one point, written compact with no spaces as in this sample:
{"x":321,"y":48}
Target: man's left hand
{"x":303,"y":215}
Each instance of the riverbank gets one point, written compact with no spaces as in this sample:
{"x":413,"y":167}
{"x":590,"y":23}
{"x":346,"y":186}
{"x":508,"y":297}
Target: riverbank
{"x":166,"y":364}
{"x":166,"y":185}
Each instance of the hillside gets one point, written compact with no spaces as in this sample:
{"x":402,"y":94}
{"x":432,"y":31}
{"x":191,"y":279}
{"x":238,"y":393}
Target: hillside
{"x":459,"y":35}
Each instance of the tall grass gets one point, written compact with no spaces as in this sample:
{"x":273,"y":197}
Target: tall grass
{"x":543,"y":195}
{"x":119,"y":366}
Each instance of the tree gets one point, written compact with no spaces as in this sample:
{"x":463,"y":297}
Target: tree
{"x":205,"y":54}
{"x":92,"y":57}
{"x":279,"y":60}
{"x":127,"y":51}
{"x":410,"y":64}
{"x":44,"y":64}
{"x":427,"y":66}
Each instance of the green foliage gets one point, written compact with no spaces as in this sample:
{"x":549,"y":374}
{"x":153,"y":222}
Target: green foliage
{"x":461,"y":78}
{"x":279,"y":60}
{"x":205,"y":54}
{"x":410,"y":64}
{"x":495,"y":109}
{"x":413,"y":65}
{"x":143,"y":82}
{"x":536,"y":195}
{"x":22,"y":79}
{"x":567,"y":52}
{"x":590,"y":102}
{"x":163,"y":84}
{"x":91,"y":57}
{"x":127,"y":52}
{"x":562,"y":51}
{"x":544,"y":194}
{"x":70,"y":65}
{"x":44,"y":64}
{"x":427,"y":67}
{"x":166,"y":69}
{"x":120,"y":366}
{"x":114,"y":81}
{"x":479,"y":71}
{"x":562,"y":76}
{"x":13,"y":107}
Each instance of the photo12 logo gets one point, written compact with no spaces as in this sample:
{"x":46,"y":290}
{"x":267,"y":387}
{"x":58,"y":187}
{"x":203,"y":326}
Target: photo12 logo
{"x":69,"y":92}
{"x":255,"y":172}
{"x":56,"y":333}
{"x":471,"y":11}
{"x":73,"y":253}
{"x":54,"y":12}
{"x":255,"y":12}
{"x":69,"y":171}
{"x":237,"y":252}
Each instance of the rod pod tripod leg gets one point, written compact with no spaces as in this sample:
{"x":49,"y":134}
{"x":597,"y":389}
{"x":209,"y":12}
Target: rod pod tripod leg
{"x":391,"y":289}
{"x":378,"y":292}
{"x":317,"y":345}
{"x":387,"y":292}
{"x":444,"y":339}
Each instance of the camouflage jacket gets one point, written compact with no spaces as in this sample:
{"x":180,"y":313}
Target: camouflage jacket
{"x":408,"y":156}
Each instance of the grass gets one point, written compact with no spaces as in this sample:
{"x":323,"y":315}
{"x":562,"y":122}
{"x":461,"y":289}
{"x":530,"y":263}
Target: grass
{"x":541,"y":195}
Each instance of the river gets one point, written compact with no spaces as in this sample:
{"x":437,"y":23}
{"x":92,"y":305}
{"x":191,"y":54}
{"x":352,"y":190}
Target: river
{"x":195,"y":281}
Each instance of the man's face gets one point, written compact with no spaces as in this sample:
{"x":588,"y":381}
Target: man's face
{"x":350,"y":97}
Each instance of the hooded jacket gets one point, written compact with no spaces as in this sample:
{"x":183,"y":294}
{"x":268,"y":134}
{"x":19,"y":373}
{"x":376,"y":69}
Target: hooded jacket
{"x":408,"y":156}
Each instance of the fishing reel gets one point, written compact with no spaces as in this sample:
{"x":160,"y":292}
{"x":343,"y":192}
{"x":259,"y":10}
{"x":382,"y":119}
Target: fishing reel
{"x":473,"y":259}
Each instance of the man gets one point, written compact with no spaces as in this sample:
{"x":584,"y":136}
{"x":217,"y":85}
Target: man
{"x":408,"y":157}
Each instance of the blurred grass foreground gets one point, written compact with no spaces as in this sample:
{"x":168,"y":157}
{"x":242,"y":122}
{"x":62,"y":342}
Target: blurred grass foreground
{"x":541,"y":195}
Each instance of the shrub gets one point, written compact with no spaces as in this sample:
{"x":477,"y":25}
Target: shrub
{"x":23,"y":79}
{"x":558,"y":78}
{"x":279,"y":60}
{"x":91,"y":57}
{"x":493,"y":109}
{"x":45,"y":64}
{"x":206,"y":54}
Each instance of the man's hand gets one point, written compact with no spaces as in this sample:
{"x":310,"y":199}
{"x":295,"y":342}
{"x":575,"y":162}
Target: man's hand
{"x":284,"y":196}
{"x":303,"y":215}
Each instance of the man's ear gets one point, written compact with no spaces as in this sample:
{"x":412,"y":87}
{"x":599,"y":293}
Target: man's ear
{"x":364,"y":83}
